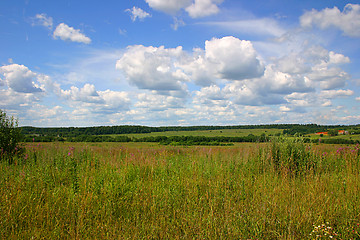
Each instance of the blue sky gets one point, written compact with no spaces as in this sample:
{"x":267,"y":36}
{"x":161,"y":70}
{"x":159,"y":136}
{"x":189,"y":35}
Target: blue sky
{"x":180,"y":62}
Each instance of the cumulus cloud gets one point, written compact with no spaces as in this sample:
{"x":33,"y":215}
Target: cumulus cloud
{"x":252,"y":93}
{"x":348,"y":21}
{"x":43,"y":20}
{"x":168,"y":6}
{"x":280,"y":82}
{"x":66,"y":33}
{"x":203,"y":8}
{"x":161,"y":69}
{"x":85,"y":94}
{"x":10,"y":99}
{"x":212,"y":92}
{"x":89,"y":98}
{"x":153,"y":68}
{"x":234,"y":59}
{"x":316,"y":67}
{"x":195,"y":8}
{"x":158,"y":102}
{"x":20,"y":79}
{"x":137,"y":13}
{"x":226,"y":58}
{"x":114,"y":100}
{"x":293,"y":79}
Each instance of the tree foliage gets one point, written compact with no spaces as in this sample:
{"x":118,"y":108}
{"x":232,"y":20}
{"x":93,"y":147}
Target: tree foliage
{"x":10,"y":137}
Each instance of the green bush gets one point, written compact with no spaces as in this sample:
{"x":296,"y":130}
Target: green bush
{"x":10,"y":136}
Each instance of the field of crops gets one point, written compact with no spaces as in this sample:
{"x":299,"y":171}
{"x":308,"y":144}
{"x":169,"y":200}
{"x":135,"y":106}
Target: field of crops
{"x":278,"y":190}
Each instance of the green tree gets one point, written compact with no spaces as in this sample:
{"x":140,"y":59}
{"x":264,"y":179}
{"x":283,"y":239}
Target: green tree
{"x":10,"y":136}
{"x":333,"y":132}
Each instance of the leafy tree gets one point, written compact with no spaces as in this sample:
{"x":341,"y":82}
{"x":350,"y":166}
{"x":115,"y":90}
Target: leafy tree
{"x":10,"y":136}
{"x":333,"y":132}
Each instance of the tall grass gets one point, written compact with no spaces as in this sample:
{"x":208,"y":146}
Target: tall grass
{"x":279,"y":190}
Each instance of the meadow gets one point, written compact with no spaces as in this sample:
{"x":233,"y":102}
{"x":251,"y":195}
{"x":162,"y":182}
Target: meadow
{"x":207,"y":133}
{"x":284,"y":189}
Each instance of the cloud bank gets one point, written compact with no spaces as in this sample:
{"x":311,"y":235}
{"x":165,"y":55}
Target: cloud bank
{"x":348,"y":20}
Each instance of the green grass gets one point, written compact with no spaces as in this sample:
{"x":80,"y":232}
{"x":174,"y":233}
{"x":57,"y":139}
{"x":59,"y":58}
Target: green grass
{"x":281,"y":190}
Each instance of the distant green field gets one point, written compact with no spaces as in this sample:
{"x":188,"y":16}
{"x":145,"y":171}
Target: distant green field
{"x":231,"y":133}
{"x":207,"y":133}
{"x":351,"y":137}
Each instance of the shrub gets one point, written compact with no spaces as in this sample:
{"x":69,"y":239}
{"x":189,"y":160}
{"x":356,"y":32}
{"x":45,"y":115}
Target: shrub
{"x":10,"y":136}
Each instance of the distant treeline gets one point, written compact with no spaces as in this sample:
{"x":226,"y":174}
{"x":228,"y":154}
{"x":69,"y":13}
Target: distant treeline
{"x":180,"y":140}
{"x":290,"y":129}
{"x":185,"y":140}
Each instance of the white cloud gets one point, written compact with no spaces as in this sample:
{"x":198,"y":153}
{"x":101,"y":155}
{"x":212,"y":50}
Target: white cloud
{"x":95,"y":101}
{"x":114,"y":101}
{"x":275,"y":81}
{"x":293,"y":79}
{"x":212,"y":92}
{"x":138,"y":13}
{"x":227,"y":58}
{"x":199,"y":69}
{"x":153,"y":68}
{"x":20,"y":79}
{"x":234,"y":59}
{"x":10,"y":99}
{"x":336,"y":93}
{"x":195,"y":8}
{"x":64,"y":32}
{"x":161,"y":69}
{"x":316,"y":67}
{"x":262,"y":27}
{"x":302,"y":99}
{"x":43,"y":20}
{"x":252,"y":93}
{"x":85,"y":94}
{"x":284,"y":109}
{"x":336,"y":58}
{"x":168,"y":6}
{"x":43,"y":113}
{"x":347,"y":21}
{"x":203,"y":8}
{"x":158,"y":102}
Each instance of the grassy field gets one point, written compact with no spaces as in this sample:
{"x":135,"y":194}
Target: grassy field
{"x":233,"y":133}
{"x":279,"y":190}
{"x":208,"y":133}
{"x":353,"y":137}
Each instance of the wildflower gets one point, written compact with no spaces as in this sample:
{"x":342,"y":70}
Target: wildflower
{"x":69,"y":153}
{"x":324,"y":154}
